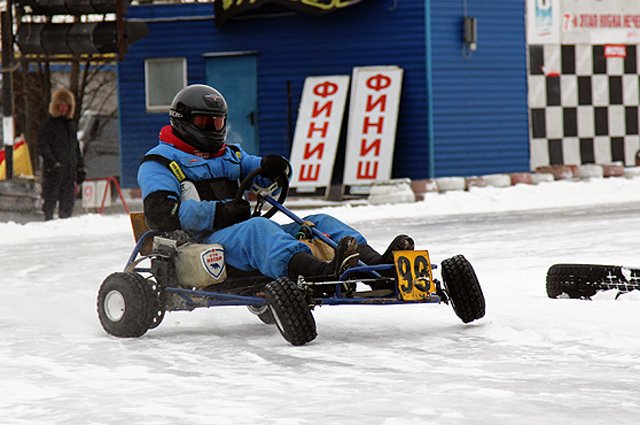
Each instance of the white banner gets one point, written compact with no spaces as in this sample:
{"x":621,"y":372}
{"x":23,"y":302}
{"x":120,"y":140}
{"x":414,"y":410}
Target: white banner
{"x":373,"y":118}
{"x":315,"y":141}
{"x":543,"y":21}
{"x":600,"y":22}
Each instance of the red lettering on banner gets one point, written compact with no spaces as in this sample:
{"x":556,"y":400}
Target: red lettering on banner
{"x":325,"y":89}
{"x":378,"y":82}
{"x":366,"y":170}
{"x":311,"y":174}
{"x":313,"y":128}
{"x":604,"y":20}
{"x":381,"y":101}
{"x":632,"y":21}
{"x":318,"y":109}
{"x":588,"y":21}
{"x":378,"y":125}
{"x":364,"y":149}
{"x":610,"y":21}
{"x":308,"y":152}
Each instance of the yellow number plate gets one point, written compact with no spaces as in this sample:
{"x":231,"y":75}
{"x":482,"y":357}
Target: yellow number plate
{"x":415,"y":280}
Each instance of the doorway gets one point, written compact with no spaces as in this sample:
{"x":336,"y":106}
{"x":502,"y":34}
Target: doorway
{"x":235,"y":76}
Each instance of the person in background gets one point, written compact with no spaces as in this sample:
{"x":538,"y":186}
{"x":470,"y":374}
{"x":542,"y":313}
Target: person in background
{"x":62,"y":163}
{"x":189,"y":182}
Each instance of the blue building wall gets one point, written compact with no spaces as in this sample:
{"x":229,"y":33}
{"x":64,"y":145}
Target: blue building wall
{"x":289,"y":48}
{"x":479,"y":102}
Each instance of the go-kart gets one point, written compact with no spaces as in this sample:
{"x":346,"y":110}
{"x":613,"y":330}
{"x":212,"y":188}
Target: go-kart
{"x":582,"y":281}
{"x":182,"y":276}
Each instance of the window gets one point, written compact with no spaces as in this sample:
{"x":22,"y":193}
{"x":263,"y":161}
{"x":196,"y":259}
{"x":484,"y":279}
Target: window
{"x":164,"y":78}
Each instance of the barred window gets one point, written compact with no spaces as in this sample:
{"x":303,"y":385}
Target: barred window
{"x":164,"y":78}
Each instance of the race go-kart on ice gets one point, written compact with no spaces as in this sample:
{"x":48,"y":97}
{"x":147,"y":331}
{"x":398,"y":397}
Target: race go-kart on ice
{"x":182,"y":276}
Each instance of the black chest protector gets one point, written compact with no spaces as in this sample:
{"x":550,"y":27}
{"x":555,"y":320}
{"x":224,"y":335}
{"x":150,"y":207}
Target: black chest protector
{"x":215,"y":189}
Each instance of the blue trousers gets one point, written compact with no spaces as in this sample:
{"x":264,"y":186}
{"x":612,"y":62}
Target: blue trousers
{"x":264,"y":245}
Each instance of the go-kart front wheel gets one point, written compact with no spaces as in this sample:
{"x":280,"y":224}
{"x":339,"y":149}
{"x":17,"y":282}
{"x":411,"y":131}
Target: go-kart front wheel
{"x":290,"y":311}
{"x":462,"y":286}
{"x":127,"y":305}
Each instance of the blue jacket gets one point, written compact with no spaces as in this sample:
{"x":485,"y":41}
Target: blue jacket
{"x":195,"y":216}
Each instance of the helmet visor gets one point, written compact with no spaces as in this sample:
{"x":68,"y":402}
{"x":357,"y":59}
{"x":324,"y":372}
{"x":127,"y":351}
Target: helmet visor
{"x":208,"y":122}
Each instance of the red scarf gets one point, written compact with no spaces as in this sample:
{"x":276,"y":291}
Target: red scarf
{"x":167,"y":136}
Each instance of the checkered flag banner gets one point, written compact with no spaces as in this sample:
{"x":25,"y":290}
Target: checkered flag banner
{"x":583,"y":103}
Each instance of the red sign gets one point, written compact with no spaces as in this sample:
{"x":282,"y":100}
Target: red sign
{"x":615,"y":51}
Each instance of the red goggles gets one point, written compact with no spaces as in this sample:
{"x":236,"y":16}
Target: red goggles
{"x":209,"y":122}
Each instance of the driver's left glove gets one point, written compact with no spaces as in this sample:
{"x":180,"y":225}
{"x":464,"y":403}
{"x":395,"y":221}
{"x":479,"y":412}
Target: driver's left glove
{"x":273,"y":166}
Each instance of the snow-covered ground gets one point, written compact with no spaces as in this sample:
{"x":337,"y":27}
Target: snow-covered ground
{"x":531,"y":360}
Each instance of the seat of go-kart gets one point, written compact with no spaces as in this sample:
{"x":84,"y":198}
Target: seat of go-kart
{"x":233,"y":275}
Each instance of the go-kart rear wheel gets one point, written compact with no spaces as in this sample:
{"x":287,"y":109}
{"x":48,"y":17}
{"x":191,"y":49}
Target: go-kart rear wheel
{"x":127,"y":305}
{"x":290,"y":311}
{"x":263,"y":312}
{"x":462,"y":286}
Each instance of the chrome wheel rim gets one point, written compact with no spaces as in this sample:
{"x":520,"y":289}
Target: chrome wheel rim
{"x":114,"y":306}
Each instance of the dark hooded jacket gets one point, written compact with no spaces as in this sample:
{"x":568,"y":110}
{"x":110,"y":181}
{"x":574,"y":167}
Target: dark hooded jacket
{"x":58,"y":141}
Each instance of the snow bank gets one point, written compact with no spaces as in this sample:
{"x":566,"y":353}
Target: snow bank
{"x":521,"y":197}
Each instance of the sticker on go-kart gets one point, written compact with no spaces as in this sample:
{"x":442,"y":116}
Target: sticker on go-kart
{"x":415,"y":279}
{"x":213,"y":261}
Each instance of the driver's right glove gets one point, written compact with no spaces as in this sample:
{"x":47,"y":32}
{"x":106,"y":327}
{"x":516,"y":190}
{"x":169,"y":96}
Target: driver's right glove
{"x":231,"y":212}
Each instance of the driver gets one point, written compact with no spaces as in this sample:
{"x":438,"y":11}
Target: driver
{"x":190,"y":180}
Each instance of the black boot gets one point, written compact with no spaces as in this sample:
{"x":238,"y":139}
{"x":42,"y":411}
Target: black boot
{"x":346,"y":256}
{"x":371,"y":257}
{"x":399,"y":243}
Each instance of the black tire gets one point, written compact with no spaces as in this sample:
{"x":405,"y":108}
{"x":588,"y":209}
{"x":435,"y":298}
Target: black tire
{"x":463,"y":289}
{"x":290,"y":310}
{"x":582,"y":281}
{"x":127,"y":305}
{"x":264,"y":314}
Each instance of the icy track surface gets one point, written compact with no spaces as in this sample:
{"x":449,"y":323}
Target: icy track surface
{"x":531,"y":360}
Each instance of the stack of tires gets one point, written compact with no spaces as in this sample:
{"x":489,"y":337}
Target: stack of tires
{"x":583,"y":281}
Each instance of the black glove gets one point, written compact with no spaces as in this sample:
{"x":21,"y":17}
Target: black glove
{"x":81,"y":174}
{"x":231,"y":212}
{"x":273,"y":166}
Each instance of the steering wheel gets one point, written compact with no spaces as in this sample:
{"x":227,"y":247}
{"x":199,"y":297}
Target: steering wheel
{"x":247,"y":183}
